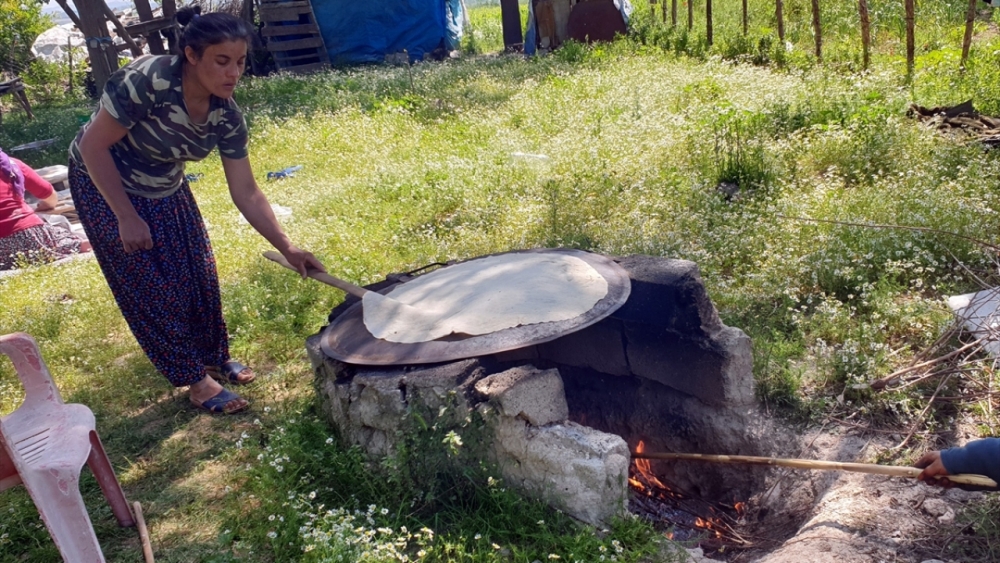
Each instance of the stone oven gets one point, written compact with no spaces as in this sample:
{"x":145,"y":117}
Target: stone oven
{"x":563,"y":416}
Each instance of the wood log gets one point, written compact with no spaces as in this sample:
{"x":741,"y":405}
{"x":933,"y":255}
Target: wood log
{"x":70,"y":14}
{"x":135,"y":49}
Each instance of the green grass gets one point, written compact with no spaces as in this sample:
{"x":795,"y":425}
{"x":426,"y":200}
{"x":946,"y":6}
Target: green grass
{"x":639,"y":135}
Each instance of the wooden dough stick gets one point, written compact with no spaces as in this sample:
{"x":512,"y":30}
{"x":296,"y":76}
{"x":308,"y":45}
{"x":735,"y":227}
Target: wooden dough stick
{"x":399,"y":315}
{"x":317,"y":275}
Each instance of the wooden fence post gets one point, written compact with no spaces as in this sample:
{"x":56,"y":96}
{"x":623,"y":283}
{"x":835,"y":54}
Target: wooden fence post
{"x":866,"y":32}
{"x":744,"y":17}
{"x":690,"y":4}
{"x":673,"y":12}
{"x":970,"y":20}
{"x":909,"y":37}
{"x":779,"y":13}
{"x":818,"y":31}
{"x":708,"y":21}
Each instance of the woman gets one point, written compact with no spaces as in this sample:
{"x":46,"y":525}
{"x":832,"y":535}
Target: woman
{"x":127,"y":180}
{"x":24,"y":236}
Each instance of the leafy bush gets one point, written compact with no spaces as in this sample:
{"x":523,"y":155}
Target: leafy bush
{"x":21,"y":21}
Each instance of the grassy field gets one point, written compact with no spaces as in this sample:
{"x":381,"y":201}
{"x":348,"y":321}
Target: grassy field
{"x":403,"y":167}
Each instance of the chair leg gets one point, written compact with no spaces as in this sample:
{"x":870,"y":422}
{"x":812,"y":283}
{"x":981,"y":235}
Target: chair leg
{"x":56,"y":493}
{"x":100,"y":466}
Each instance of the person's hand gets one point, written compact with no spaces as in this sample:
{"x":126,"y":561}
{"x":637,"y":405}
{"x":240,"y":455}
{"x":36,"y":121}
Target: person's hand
{"x":135,"y":234}
{"x":934,"y":471}
{"x":302,"y":261}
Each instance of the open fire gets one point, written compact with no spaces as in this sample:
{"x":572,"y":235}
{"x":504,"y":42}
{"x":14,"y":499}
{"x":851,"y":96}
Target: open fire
{"x":682,"y":516}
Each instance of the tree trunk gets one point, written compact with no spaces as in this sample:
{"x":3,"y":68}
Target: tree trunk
{"x":970,"y":20}
{"x":673,"y":13}
{"x":690,"y":14}
{"x":779,"y":13}
{"x":909,"y":37}
{"x":818,"y":31}
{"x":708,"y":21}
{"x":745,"y":22}
{"x":866,"y":31}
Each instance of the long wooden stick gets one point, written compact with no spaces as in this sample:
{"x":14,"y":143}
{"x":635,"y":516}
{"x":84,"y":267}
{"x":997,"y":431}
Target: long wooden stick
{"x":892,"y":470}
{"x":147,"y":548}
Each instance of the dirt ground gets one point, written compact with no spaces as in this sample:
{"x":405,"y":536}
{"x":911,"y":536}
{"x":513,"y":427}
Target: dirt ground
{"x":853,"y":517}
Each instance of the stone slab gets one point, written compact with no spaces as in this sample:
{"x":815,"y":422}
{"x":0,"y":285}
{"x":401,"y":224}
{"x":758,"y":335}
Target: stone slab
{"x":534,"y":395}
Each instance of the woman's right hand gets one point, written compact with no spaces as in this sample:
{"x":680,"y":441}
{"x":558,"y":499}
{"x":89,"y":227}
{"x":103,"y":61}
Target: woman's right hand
{"x":135,"y":234}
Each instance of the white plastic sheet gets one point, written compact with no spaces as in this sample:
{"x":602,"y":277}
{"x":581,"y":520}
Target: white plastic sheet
{"x":52,"y":45}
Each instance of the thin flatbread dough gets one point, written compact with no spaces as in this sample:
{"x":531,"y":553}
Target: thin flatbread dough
{"x":485,"y":295}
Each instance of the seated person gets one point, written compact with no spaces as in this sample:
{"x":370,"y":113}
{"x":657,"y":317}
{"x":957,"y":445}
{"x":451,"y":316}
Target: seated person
{"x":979,"y":457}
{"x":24,"y":236}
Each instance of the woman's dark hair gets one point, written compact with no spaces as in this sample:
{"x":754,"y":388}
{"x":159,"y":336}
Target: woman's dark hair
{"x":199,"y":32}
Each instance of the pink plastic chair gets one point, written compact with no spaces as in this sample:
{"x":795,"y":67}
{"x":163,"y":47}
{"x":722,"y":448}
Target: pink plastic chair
{"x":45,"y":445}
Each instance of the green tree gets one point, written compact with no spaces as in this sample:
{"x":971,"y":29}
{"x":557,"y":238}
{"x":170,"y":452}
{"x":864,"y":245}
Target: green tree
{"x":21,"y":21}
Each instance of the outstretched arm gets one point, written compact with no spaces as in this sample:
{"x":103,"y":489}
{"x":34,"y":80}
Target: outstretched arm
{"x":252,"y":203}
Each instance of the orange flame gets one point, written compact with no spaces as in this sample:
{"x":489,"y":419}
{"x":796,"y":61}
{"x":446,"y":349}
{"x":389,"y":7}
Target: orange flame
{"x":646,"y":471}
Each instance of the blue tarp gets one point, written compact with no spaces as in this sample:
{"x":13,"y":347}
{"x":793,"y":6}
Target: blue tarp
{"x":366,"y":31}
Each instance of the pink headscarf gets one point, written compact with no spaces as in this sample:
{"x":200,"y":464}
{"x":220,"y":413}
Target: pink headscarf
{"x":12,"y":172}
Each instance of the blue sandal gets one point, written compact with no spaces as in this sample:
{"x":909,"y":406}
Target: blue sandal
{"x":217,"y":404}
{"x":230,"y":372}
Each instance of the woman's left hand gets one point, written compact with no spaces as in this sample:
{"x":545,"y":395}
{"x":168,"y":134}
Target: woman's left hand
{"x":302,"y":261}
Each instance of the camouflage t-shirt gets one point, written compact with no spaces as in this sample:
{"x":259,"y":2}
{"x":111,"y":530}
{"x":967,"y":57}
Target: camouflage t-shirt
{"x":146,"y":98}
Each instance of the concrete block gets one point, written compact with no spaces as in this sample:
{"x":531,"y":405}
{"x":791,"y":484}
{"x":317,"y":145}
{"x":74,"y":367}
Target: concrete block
{"x":717,"y":371}
{"x":534,"y":395}
{"x":667,"y":293}
{"x":579,"y":470}
{"x":600,"y":347}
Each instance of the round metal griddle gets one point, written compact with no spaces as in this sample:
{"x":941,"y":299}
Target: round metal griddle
{"x":347,"y":339}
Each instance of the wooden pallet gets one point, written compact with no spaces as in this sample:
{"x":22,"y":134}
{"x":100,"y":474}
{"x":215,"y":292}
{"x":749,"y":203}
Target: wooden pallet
{"x":293,"y":36}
